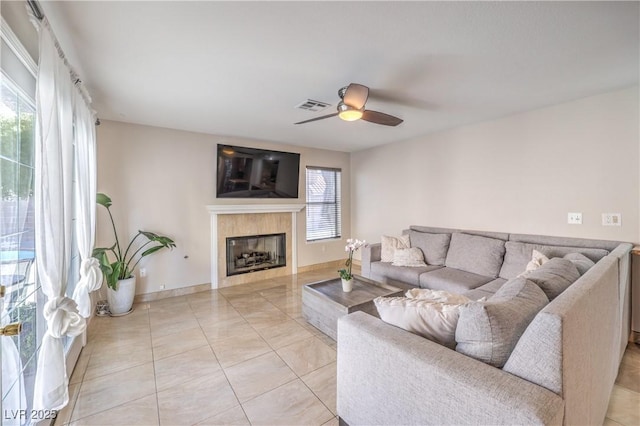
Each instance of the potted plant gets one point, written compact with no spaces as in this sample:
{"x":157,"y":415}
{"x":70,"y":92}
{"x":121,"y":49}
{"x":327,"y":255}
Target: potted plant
{"x":345,"y":274}
{"x":121,"y":283}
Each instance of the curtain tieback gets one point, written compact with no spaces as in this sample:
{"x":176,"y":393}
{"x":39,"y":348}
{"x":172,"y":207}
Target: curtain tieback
{"x":90,"y":274}
{"x":90,"y":280}
{"x":63,"y":318}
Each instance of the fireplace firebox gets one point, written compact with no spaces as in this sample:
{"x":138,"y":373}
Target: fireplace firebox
{"x":255,"y":253}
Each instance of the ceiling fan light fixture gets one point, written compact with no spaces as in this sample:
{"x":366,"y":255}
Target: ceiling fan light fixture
{"x":348,"y":113}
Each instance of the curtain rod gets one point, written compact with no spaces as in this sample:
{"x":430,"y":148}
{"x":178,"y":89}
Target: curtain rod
{"x":39,"y":15}
{"x":36,"y":9}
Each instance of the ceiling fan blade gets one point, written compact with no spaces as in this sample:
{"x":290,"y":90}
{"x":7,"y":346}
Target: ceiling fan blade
{"x":317,"y":118}
{"x":356,"y":95}
{"x":381,"y":118}
{"x":396,"y":97}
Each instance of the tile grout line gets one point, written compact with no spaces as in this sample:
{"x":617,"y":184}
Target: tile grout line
{"x":153,"y":360}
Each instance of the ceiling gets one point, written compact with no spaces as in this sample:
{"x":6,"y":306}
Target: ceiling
{"x":239,"y":68}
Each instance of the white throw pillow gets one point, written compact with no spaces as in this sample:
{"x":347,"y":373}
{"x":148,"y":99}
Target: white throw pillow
{"x":390,"y":244}
{"x":408,"y":257}
{"x":435,"y":319}
{"x":537,"y":260}
{"x":440,"y":296}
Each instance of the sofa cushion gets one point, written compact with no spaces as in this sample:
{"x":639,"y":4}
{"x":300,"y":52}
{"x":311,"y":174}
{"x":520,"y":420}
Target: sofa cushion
{"x":432,"y":314}
{"x":582,"y":262}
{"x":381,"y":270}
{"x":488,"y":331}
{"x":475,"y":254}
{"x":390,"y":244}
{"x":555,"y":276}
{"x":410,"y":257}
{"x":486,"y":290}
{"x":434,"y":246}
{"x":451,"y":279}
{"x":478,"y":295}
{"x":519,"y":254}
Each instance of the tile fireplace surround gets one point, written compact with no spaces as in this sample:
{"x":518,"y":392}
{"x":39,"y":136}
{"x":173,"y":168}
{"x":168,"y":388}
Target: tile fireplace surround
{"x":236,"y":220}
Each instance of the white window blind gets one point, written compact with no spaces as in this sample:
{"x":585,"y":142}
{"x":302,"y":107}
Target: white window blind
{"x":323,"y":203}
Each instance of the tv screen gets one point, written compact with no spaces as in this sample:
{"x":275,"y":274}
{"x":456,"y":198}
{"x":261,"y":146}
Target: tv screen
{"x":257,"y":173}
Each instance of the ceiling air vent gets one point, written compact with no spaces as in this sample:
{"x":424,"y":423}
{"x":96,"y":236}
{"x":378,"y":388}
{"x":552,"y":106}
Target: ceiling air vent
{"x":311,"y":105}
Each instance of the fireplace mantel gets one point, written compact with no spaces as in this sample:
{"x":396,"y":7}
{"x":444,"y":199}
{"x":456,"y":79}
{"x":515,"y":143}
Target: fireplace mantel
{"x":254,"y":208}
{"x":223,"y":209}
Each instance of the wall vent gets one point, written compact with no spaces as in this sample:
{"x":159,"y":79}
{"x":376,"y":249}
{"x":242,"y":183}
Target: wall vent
{"x":311,"y":105}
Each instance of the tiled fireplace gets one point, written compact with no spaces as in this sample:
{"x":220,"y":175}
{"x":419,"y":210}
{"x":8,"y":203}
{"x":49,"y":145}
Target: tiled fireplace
{"x":243,"y":223}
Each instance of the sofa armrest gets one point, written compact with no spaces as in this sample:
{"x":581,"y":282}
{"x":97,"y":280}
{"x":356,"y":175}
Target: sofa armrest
{"x":370,"y":253}
{"x":623,"y":255}
{"x":389,"y":376}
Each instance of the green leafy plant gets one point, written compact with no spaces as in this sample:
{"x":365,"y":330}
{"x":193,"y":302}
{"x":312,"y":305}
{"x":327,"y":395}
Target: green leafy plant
{"x":126,"y":262}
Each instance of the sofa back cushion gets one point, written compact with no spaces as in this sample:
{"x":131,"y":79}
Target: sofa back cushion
{"x":488,"y":331}
{"x":555,"y":276}
{"x":582,"y":262}
{"x":518,"y":254}
{"x":475,"y":254}
{"x":434,"y":230}
{"x":433,"y":246}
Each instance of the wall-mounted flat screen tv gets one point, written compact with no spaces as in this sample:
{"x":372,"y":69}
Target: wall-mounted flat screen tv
{"x":256,"y":173}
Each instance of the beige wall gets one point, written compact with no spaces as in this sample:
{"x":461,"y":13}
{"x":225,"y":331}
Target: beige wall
{"x":161,"y":180}
{"x":521,"y":173}
{"x":15,"y":14}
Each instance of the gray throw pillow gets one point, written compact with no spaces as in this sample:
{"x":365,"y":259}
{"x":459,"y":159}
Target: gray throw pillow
{"x":488,"y":331}
{"x":475,"y":254}
{"x":555,"y":276}
{"x":434,"y":246}
{"x":582,"y":262}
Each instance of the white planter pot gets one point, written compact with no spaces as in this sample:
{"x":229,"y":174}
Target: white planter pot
{"x":347,"y":285}
{"x":121,"y":300}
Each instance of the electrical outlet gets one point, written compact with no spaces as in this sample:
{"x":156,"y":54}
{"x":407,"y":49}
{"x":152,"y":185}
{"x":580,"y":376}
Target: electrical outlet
{"x":574,"y":218}
{"x":162,"y":287}
{"x":143,"y":272}
{"x":611,"y":219}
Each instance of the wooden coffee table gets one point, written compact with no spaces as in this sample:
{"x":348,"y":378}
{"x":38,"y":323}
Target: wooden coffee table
{"x":323,"y":302}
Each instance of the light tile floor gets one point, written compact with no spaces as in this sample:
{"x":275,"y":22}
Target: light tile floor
{"x":235,"y":356}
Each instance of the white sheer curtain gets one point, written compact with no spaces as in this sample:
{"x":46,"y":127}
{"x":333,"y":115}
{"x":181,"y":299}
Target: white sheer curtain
{"x":53,"y":217}
{"x":85,"y":193}
{"x":15,"y":397}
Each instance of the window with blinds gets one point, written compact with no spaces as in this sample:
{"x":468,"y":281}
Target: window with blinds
{"x":323,"y":203}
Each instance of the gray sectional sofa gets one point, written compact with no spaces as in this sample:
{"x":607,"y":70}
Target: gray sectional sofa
{"x":561,"y":370}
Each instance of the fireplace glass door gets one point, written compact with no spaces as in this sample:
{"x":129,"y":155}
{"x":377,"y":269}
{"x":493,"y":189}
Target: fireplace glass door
{"x":255,"y":253}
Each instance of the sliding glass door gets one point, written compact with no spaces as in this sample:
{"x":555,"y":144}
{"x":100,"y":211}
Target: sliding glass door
{"x":21,"y":302}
